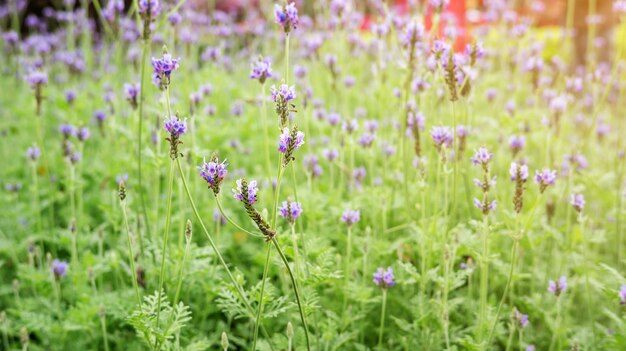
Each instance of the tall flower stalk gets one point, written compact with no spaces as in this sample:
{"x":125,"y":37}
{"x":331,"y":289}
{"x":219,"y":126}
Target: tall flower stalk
{"x":131,"y":256}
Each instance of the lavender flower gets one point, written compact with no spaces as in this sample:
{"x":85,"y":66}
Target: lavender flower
{"x":121,"y":178}
{"x":485,"y":206}
{"x":261,"y":69}
{"x":622,"y":295}
{"x":250,"y":195}
{"x":70,"y":96}
{"x":290,"y":210}
{"x":37,"y":79}
{"x":163,"y":68}
{"x":367,"y":139}
{"x":578,"y":201}
{"x":149,"y":8}
{"x":545,"y":178}
{"x":68,"y":130}
{"x":384,"y":279}
{"x":131,"y":90}
{"x":517,"y":143}
{"x":289,"y":142}
{"x":213,"y":173}
{"x":33,"y":153}
{"x":557,"y":288}
{"x":59,"y":268}
{"x":518,"y":172}
{"x":175,"y":126}
{"x":284,"y":93}
{"x":83,"y":134}
{"x":520,"y":319}
{"x":351,"y":217}
{"x":330,"y":154}
{"x":442,"y":137}
{"x":482,"y":157}
{"x":286,"y":16}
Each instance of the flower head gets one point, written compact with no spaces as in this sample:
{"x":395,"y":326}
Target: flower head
{"x":351,"y":217}
{"x":249,"y":195}
{"x":518,"y":172}
{"x":68,"y":130}
{"x":163,"y":68}
{"x":557,"y":288}
{"x":545,"y":178}
{"x":149,"y":8}
{"x":33,"y":153}
{"x":485,"y":206}
{"x":578,"y":201}
{"x":59,"y":268}
{"x":289,"y":142}
{"x":520,"y":319}
{"x":284,"y":93}
{"x":517,"y":143}
{"x":286,"y":16}
{"x":482,"y":157}
{"x":175,"y":126}
{"x":384,"y":278}
{"x":290,"y":210}
{"x":131,"y":90}
{"x":213,"y":173}
{"x":83,"y":134}
{"x":261,"y":69}
{"x":37,"y":79}
{"x":442,"y":136}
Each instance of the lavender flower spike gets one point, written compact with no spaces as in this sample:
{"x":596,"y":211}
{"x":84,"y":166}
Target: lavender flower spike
{"x":290,"y":210}
{"x":557,"y":288}
{"x":286,"y":16}
{"x":261,"y":69}
{"x":545,"y":178}
{"x":622,"y":295}
{"x":482,"y":157}
{"x":213,"y":173}
{"x":163,"y":68}
{"x":578,"y":201}
{"x":384,"y":278}
{"x":351,"y":217}
{"x":59,"y":268}
{"x":176,"y":127}
{"x":289,"y":142}
{"x":249,"y":195}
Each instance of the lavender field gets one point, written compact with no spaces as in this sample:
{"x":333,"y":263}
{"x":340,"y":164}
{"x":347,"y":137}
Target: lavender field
{"x":318,"y":175}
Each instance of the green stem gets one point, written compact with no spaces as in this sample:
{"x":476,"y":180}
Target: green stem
{"x":219,"y":207}
{"x":382,"y":320}
{"x":131,"y":257}
{"x":506,"y":289}
{"x":103,"y":323}
{"x":296,"y":292}
{"x":170,"y":182}
{"x":484,"y":276}
{"x":260,"y":307}
{"x":180,"y":271}
{"x":144,"y":53}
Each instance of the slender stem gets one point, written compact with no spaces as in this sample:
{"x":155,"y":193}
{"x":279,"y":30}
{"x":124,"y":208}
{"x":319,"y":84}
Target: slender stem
{"x":180,"y":272}
{"x":287,"y":58}
{"x":240,"y":291}
{"x":296,"y":292}
{"x":165,"y":235}
{"x":506,"y":289}
{"x":103,"y":323}
{"x":382,"y":320}
{"x":131,"y":257}
{"x":484,"y":276}
{"x":219,"y":207}
{"x":144,"y":53}
{"x":260,"y":307}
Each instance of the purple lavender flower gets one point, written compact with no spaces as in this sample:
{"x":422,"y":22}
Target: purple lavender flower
{"x":252,"y":190}
{"x":330,"y":154}
{"x":149,"y":8}
{"x":517,"y":143}
{"x":163,"y":68}
{"x":261,"y":69}
{"x":33,"y":153}
{"x":10,"y":38}
{"x":442,"y":136}
{"x":121,"y":178}
{"x":482,"y":157}
{"x":350,"y":126}
{"x":557,"y":288}
{"x":520,"y":318}
{"x":68,"y":130}
{"x":485,"y":206}
{"x":83,"y":134}
{"x":75,"y":157}
{"x":333,"y":118}
{"x":283,"y":94}
{"x":578,"y":201}
{"x":351,"y":217}
{"x":286,"y":16}
{"x":131,"y":90}
{"x":521,"y":175}
{"x":289,"y":142}
{"x":70,"y":96}
{"x":367,"y":139}
{"x":622,"y":295}
{"x":545,"y":178}
{"x":384,"y":279}
{"x":213,"y":173}
{"x":175,"y":18}
{"x":37,"y":79}
{"x":175,"y":126}
{"x":99,"y":116}
{"x":290,"y":210}
{"x":59,"y":268}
